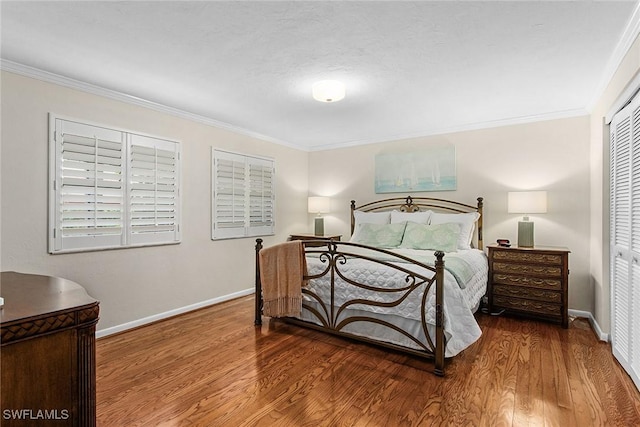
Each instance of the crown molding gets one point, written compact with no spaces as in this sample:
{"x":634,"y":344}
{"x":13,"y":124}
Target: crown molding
{"x":463,"y":128}
{"x":49,"y":77}
{"x":46,"y":76}
{"x":629,"y":36}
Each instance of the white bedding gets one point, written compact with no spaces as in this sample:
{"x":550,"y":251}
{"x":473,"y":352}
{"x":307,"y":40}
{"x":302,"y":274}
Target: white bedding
{"x":460,"y":301}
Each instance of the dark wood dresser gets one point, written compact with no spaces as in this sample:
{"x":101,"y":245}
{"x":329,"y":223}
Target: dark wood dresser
{"x":532,"y":282}
{"x":47,"y":352}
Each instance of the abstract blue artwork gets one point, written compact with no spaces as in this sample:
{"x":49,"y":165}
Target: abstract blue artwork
{"x":430,"y":169}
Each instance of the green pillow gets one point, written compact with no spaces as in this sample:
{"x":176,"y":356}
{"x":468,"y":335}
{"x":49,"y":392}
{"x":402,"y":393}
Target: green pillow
{"x":379,"y":235}
{"x":439,"y":237}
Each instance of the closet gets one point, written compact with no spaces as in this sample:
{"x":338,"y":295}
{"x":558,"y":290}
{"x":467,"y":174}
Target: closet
{"x":625,"y":237}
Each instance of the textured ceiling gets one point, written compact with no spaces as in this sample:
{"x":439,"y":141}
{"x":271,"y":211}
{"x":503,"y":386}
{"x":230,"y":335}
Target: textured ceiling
{"x":411,"y":68}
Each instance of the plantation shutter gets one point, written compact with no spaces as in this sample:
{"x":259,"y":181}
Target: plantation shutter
{"x":154,"y":211}
{"x":243,"y":195}
{"x":625,"y":237}
{"x":111,"y":188}
{"x":88,"y":187}
{"x":260,"y":196}
{"x":229,"y":198}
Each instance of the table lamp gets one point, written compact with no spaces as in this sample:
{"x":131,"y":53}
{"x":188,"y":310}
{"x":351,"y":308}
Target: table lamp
{"x":319,"y":205}
{"x":526,"y":202}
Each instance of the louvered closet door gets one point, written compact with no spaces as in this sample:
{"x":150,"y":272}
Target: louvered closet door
{"x":635,"y":241}
{"x":625,"y":238}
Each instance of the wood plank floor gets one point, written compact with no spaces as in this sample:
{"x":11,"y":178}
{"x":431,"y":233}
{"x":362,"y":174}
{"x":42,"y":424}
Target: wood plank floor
{"x":212,"y":367}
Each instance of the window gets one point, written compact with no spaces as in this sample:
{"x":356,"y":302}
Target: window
{"x":111,"y":188}
{"x":243,"y":195}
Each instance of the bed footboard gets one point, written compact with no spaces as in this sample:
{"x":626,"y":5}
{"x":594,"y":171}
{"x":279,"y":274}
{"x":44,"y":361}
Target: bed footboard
{"x":258,"y":298}
{"x":420,"y":280}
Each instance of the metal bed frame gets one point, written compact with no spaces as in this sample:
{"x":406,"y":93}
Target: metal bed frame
{"x":335,"y":254}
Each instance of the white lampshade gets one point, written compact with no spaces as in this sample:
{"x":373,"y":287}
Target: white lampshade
{"x":328,"y":91}
{"x":319,"y":205}
{"x":527,"y":202}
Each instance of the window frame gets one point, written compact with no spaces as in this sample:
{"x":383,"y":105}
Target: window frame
{"x":58,"y":241}
{"x":246,"y":229}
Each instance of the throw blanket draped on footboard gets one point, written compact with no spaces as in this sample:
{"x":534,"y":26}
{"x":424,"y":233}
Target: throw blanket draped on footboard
{"x":418,"y":282}
{"x":282,"y":271}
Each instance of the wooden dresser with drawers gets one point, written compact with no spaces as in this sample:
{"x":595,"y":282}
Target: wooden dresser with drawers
{"x":532,"y":282}
{"x":47,"y":352}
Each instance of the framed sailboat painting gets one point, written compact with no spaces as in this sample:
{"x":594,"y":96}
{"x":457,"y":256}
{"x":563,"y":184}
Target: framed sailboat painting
{"x":430,"y":169}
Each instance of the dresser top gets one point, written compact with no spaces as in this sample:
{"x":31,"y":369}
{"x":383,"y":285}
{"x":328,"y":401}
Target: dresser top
{"x":535,"y":248}
{"x":29,"y":295}
{"x":324,"y":236}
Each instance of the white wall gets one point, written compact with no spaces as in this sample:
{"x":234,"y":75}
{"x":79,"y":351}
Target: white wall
{"x":549,"y":155}
{"x":132,"y":284}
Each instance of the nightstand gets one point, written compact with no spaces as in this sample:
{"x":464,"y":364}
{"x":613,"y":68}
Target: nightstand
{"x":531,"y":282}
{"x":314,"y":237}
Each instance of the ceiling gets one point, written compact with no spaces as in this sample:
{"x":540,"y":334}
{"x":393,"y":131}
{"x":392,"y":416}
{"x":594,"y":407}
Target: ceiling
{"x":410,"y":68}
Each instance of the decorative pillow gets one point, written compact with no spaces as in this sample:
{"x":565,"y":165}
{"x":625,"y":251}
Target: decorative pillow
{"x":467,"y":223}
{"x":440,"y":237}
{"x":419,"y":217}
{"x":379,"y":235}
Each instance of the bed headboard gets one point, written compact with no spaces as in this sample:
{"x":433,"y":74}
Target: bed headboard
{"x":416,"y":204}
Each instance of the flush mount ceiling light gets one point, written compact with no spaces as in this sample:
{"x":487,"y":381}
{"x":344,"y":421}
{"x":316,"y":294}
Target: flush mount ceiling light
{"x":328,"y":91}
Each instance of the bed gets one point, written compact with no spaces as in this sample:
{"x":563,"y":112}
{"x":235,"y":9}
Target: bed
{"x":410,"y":278}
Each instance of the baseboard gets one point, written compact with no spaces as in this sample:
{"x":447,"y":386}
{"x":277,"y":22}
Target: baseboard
{"x":592,"y":321}
{"x":160,"y":316}
{"x":181,"y":310}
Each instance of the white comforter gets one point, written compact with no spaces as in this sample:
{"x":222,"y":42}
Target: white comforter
{"x":460,"y":300}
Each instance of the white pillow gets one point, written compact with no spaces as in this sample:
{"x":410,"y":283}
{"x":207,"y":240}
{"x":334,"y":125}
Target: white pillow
{"x":467,"y":223}
{"x":417,"y":217}
{"x":370,"y":218}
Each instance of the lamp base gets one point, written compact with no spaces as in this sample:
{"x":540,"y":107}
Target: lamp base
{"x":319,"y":226}
{"x":525,"y":234}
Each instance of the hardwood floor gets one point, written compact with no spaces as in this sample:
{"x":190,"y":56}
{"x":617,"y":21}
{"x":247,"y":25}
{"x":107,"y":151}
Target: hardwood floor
{"x":212,"y":367}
